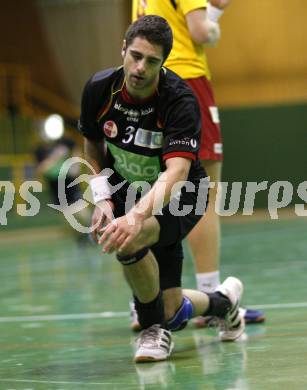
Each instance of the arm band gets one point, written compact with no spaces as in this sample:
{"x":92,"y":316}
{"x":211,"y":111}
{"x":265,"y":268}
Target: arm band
{"x":100,"y":188}
{"x":214,"y":13}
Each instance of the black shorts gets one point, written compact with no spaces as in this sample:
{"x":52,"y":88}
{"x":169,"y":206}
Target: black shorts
{"x":174,"y":227}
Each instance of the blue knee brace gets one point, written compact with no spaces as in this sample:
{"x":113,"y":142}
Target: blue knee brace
{"x":182,"y":316}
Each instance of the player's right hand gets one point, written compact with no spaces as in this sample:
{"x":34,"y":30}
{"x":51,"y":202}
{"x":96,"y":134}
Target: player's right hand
{"x":221,"y":4}
{"x":102,"y":215}
{"x":214,"y":33}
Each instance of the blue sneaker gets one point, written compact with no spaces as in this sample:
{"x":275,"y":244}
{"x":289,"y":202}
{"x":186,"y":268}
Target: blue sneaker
{"x":252,"y":316}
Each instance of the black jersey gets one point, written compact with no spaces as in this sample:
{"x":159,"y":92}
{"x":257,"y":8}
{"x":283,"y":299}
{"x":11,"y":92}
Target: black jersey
{"x":141,"y":135}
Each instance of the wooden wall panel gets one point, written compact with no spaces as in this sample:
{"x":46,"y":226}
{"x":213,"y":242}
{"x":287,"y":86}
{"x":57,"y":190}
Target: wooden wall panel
{"x":262,"y":56}
{"x":85,"y":37}
{"x":23,"y":42}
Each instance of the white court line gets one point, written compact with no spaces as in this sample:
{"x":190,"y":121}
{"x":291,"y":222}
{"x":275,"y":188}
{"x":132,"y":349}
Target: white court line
{"x":121,"y":314}
{"x":64,"y":317}
{"x":279,"y":306}
{"x":58,"y":382}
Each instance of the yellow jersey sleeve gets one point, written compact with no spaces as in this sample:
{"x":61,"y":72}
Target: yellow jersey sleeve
{"x":187,"y":59}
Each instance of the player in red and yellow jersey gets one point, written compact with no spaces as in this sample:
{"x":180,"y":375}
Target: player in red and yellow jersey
{"x":195,"y":24}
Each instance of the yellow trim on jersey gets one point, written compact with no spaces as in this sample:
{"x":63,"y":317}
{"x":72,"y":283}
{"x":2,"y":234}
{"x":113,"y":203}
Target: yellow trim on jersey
{"x":187,"y":59}
{"x":107,"y":107}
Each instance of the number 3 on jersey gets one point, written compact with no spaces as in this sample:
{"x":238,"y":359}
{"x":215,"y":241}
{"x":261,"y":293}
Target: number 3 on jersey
{"x":130,"y":130}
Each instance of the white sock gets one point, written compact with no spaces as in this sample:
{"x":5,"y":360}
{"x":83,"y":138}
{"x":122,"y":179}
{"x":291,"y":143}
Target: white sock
{"x":208,"y":281}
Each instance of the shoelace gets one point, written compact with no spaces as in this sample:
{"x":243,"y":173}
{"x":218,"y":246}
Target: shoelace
{"x":150,"y":335}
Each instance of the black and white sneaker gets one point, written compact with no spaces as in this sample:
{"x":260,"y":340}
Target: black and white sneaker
{"x":153,"y":344}
{"x":233,"y":325}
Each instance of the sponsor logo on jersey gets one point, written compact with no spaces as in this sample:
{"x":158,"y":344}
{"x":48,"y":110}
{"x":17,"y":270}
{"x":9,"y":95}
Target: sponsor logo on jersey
{"x":132,"y":119}
{"x":110,"y":129}
{"x":132,"y":114}
{"x":125,"y":110}
{"x":133,"y":166}
{"x":147,"y":111}
{"x":193,"y":143}
{"x":148,"y":139}
{"x":184,"y":142}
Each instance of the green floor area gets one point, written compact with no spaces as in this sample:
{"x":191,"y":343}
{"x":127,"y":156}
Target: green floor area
{"x":64,"y":320}
{"x":43,"y":216}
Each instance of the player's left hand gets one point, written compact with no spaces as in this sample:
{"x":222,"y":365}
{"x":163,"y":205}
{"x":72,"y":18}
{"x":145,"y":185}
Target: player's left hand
{"x":119,"y":235}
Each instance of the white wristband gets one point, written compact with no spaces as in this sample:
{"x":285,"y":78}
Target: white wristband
{"x":214,"y":13}
{"x":100,"y":188}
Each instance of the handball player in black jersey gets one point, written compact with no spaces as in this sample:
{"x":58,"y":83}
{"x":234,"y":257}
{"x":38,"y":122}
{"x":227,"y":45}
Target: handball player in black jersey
{"x":142,"y":123}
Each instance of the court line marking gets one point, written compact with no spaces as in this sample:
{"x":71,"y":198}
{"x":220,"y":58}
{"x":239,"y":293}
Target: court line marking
{"x":60,"y":317}
{"x":294,"y":305}
{"x":122,"y":314}
{"x":58,"y":382}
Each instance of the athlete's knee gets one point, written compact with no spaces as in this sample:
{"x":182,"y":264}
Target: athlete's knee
{"x":150,"y":233}
{"x":145,"y":239}
{"x":182,"y":315}
{"x":128,"y":259}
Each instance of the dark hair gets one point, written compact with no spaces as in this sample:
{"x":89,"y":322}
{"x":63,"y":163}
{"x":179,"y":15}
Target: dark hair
{"x":154,"y":29}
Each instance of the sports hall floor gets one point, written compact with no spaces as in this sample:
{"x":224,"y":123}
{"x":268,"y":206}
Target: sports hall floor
{"x":64,"y":317}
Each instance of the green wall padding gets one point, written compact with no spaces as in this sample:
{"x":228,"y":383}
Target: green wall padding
{"x":265,"y":143}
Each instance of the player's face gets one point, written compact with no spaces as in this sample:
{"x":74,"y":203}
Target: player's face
{"x":142,"y":64}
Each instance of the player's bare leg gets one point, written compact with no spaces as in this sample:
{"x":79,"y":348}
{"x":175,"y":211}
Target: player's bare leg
{"x":204,"y":241}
